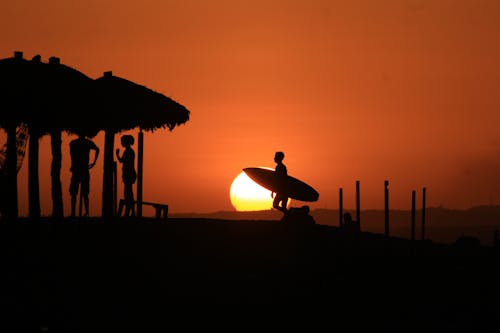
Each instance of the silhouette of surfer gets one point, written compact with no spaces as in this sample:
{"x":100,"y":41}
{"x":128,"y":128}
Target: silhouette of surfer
{"x":79,"y":149}
{"x":129,"y":174}
{"x":280,"y":200}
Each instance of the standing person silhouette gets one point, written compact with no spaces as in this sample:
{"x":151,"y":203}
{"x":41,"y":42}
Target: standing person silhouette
{"x":129,"y":174}
{"x":280,"y":200}
{"x":79,"y":149}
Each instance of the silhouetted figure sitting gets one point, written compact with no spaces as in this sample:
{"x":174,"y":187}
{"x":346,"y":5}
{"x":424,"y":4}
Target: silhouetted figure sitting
{"x":129,"y":174}
{"x":298,"y":215}
{"x":280,"y":201}
{"x":349,"y":224}
{"x":80,"y":179}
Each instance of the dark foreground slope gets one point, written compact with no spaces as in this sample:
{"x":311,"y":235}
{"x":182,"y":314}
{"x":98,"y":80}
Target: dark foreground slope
{"x":65,"y":272}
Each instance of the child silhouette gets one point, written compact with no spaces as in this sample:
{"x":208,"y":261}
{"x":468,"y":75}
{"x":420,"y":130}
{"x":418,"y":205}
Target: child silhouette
{"x":129,"y":174}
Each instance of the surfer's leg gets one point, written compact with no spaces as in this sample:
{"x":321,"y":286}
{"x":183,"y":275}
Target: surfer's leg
{"x":280,"y":202}
{"x":276,"y":202}
{"x":284,"y":203}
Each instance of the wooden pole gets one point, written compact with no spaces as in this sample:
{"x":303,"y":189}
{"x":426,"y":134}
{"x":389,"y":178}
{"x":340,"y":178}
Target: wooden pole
{"x":140,"y":156}
{"x":107,"y":182}
{"x":33,"y":174}
{"x":55,"y":174}
{"x":413,"y":215}
{"x":358,"y":210}
{"x":11,"y":205}
{"x":386,"y":207}
{"x":115,"y":188}
{"x":341,"y":213}
{"x":423,"y":213}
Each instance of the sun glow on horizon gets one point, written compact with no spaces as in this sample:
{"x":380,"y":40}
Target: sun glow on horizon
{"x":247,"y":195}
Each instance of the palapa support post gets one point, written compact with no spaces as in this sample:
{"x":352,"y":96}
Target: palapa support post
{"x":115,"y":188}
{"x":140,"y":156}
{"x":107,"y":183}
{"x":12,"y":205}
{"x":386,"y":207}
{"x":341,"y":213}
{"x":358,"y":209}
{"x":423,"y":213}
{"x":55,"y":171}
{"x":413,"y":215}
{"x":33,"y":174}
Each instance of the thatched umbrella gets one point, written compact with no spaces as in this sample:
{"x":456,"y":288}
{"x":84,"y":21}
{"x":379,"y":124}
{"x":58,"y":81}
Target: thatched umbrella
{"x":59,"y":102}
{"x":17,"y":84}
{"x":49,"y":98}
{"x":130,"y":105}
{"x":66,"y":98}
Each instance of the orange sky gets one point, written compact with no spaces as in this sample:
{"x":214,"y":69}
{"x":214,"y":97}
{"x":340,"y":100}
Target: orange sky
{"x":370,"y":90}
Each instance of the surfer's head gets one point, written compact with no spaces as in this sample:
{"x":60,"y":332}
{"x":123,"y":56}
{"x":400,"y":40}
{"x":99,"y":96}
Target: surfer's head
{"x":279,"y":156}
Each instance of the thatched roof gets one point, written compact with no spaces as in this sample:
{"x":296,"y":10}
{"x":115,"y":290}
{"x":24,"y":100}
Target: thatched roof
{"x":48,"y":96}
{"x":18,"y":79}
{"x":68,"y":99}
{"x":55,"y":96}
{"x":129,"y":105}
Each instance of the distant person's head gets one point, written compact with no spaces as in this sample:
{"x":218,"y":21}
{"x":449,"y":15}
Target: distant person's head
{"x":127,"y":140}
{"x":279,"y":156}
{"x":347,"y":217}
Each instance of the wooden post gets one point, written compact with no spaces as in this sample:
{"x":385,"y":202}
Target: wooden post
{"x":55,"y":173}
{"x":33,"y":174}
{"x":140,"y":155}
{"x":107,"y":176}
{"x":423,"y":213}
{"x":413,"y":215}
{"x":11,"y":204}
{"x":115,"y":188}
{"x":386,"y":207}
{"x":358,"y":211}
{"x":341,"y":213}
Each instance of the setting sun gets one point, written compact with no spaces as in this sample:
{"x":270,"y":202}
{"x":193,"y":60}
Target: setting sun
{"x":246,"y":195}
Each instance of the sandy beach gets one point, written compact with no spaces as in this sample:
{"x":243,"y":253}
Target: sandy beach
{"x":63,"y":273}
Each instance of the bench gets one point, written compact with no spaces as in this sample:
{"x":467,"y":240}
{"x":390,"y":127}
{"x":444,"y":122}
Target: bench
{"x":160,"y":209}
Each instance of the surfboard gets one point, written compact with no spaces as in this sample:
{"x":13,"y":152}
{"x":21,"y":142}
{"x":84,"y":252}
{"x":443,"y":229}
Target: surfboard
{"x":288,"y":185}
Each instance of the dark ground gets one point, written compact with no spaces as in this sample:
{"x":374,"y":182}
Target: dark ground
{"x":66,"y":274}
